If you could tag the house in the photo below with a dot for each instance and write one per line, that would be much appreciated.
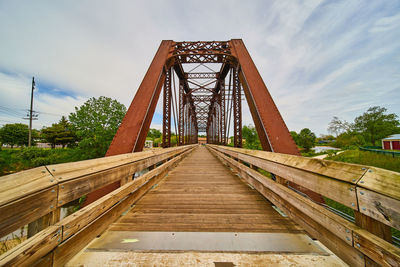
(148, 144)
(392, 142)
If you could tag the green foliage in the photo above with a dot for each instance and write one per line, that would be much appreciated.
(306, 139)
(60, 133)
(95, 124)
(14, 134)
(369, 158)
(295, 137)
(154, 133)
(350, 140)
(374, 124)
(249, 133)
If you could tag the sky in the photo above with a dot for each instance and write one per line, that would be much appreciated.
(319, 59)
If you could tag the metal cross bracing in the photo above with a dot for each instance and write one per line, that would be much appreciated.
(203, 83)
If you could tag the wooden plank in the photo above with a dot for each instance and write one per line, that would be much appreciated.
(380, 207)
(137, 187)
(43, 222)
(75, 188)
(78, 241)
(25, 210)
(346, 172)
(381, 181)
(74, 170)
(339, 191)
(379, 250)
(33, 249)
(21, 184)
(341, 248)
(46, 261)
(205, 206)
(334, 223)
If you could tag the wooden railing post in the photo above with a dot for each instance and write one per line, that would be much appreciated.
(43, 222)
(375, 227)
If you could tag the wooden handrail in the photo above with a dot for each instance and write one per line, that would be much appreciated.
(28, 195)
(58, 243)
(371, 191)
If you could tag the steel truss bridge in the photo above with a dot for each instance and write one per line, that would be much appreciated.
(195, 205)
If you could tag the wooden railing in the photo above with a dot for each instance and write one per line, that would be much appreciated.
(38, 194)
(373, 194)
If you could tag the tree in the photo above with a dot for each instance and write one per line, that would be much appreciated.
(14, 134)
(295, 137)
(306, 139)
(60, 133)
(337, 126)
(154, 133)
(374, 124)
(95, 124)
(250, 136)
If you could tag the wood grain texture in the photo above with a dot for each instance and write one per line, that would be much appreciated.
(33, 249)
(346, 172)
(382, 181)
(380, 207)
(201, 194)
(18, 185)
(25, 210)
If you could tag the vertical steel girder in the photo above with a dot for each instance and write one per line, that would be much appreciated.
(166, 139)
(237, 109)
(272, 130)
(181, 120)
(223, 115)
(132, 132)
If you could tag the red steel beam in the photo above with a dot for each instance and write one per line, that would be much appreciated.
(132, 132)
(272, 130)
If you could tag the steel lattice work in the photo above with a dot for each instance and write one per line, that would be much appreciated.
(203, 83)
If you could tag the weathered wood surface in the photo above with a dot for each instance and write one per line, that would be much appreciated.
(28, 195)
(322, 224)
(201, 194)
(75, 231)
(373, 191)
(32, 250)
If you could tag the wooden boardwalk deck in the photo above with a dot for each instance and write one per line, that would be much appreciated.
(202, 195)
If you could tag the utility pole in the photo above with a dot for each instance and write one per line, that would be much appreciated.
(31, 113)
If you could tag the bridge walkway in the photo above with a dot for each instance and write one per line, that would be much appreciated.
(201, 206)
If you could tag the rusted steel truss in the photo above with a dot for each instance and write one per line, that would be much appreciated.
(210, 79)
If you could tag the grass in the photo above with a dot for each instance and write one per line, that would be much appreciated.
(18, 159)
(369, 158)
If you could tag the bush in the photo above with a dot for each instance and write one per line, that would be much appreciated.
(29, 153)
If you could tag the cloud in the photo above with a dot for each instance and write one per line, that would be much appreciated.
(318, 58)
